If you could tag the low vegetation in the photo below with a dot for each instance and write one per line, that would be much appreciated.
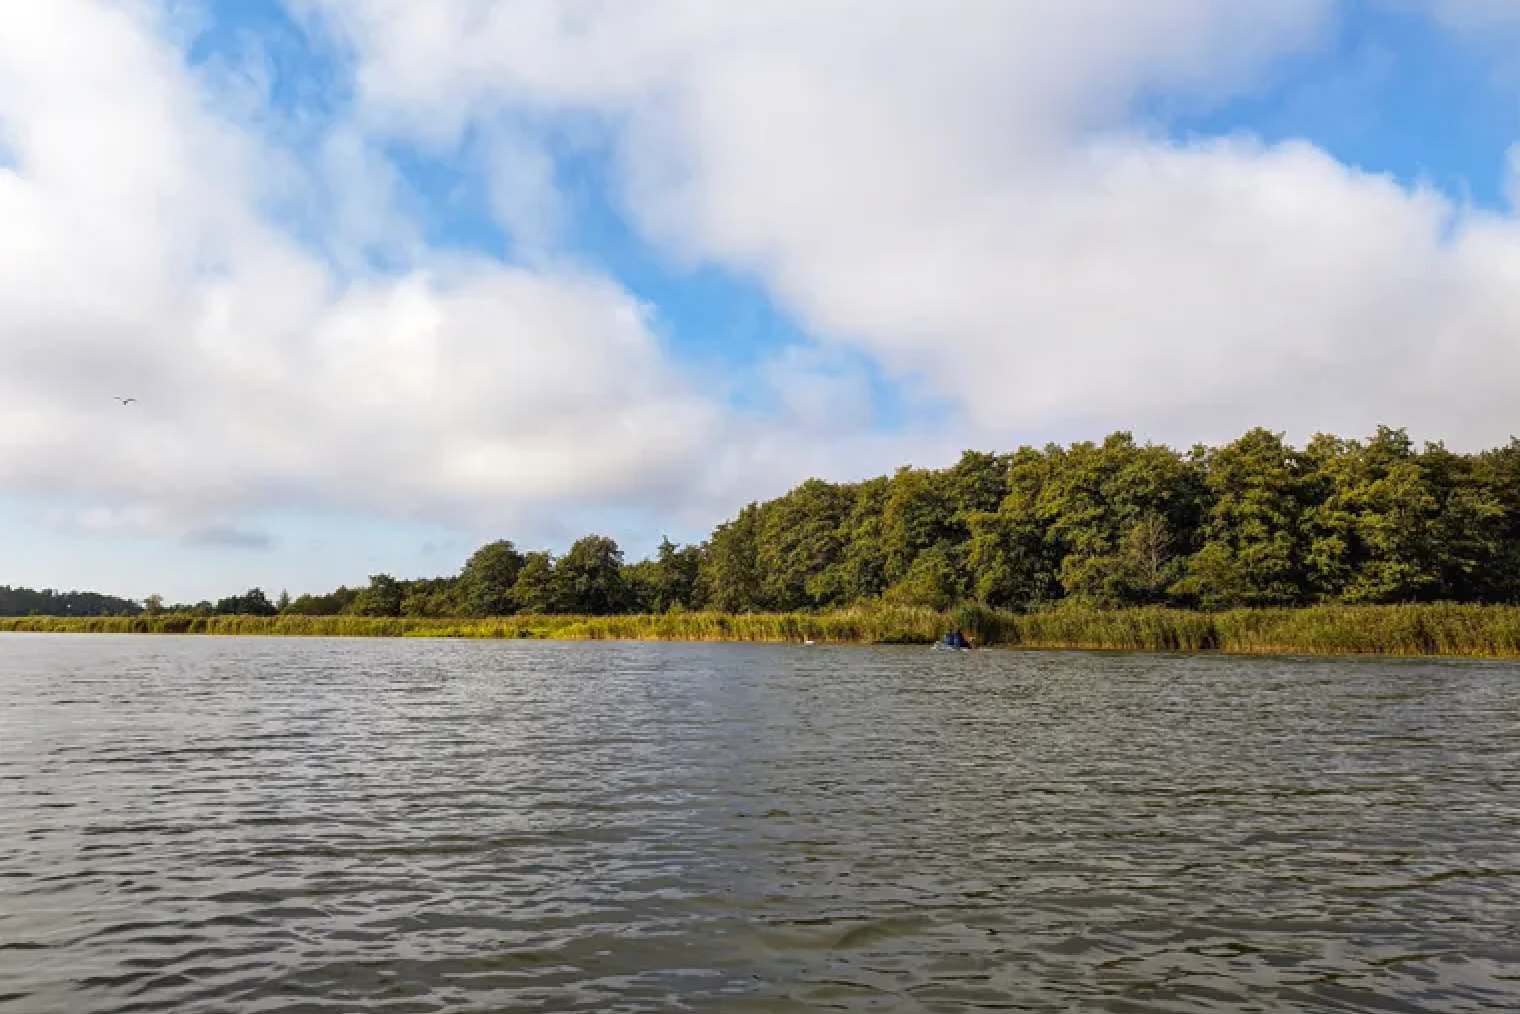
(1437, 629)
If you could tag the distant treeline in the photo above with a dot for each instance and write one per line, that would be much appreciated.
(26, 602)
(1255, 523)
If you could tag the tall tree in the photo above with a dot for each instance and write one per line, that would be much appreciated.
(673, 576)
(1010, 557)
(797, 539)
(488, 581)
(1253, 550)
(730, 571)
(859, 572)
(590, 577)
(1117, 513)
(383, 597)
(537, 590)
(919, 513)
(253, 602)
(1496, 474)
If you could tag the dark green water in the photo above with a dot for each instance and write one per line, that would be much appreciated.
(231, 825)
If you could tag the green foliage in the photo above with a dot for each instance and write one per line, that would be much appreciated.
(1253, 535)
(251, 603)
(535, 590)
(26, 602)
(1110, 527)
(729, 570)
(1011, 562)
(1425, 629)
(919, 515)
(859, 573)
(669, 581)
(934, 580)
(798, 538)
(334, 602)
(437, 597)
(488, 583)
(590, 578)
(384, 597)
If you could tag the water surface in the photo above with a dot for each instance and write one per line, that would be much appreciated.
(229, 825)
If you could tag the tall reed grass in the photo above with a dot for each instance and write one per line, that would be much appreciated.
(1465, 630)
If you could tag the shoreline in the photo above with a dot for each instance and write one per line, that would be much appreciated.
(1435, 630)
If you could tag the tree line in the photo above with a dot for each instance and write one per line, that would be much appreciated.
(48, 602)
(1256, 522)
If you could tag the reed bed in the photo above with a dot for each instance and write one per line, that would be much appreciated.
(1439, 629)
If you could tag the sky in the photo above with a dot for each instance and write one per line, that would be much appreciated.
(390, 279)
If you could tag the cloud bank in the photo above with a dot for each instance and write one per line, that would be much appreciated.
(967, 193)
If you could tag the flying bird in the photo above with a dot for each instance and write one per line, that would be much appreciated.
(125, 401)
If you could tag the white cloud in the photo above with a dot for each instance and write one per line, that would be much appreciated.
(960, 189)
(525, 196)
(136, 262)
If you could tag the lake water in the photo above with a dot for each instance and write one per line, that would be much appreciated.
(231, 825)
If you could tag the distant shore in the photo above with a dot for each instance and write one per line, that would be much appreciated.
(1408, 630)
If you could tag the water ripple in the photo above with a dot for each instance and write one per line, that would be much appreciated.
(214, 825)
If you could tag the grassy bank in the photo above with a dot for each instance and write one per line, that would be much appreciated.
(1481, 631)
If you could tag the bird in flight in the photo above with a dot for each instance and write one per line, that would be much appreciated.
(125, 401)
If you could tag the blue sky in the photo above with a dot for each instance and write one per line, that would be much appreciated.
(680, 263)
(1391, 93)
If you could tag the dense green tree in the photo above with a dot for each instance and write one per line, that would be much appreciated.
(1496, 478)
(670, 579)
(1253, 539)
(1010, 561)
(934, 579)
(977, 484)
(859, 572)
(536, 590)
(489, 579)
(639, 586)
(919, 513)
(331, 604)
(797, 539)
(1471, 527)
(1255, 522)
(1389, 524)
(590, 577)
(253, 602)
(729, 572)
(1117, 514)
(383, 597)
(26, 602)
(1011, 555)
(438, 597)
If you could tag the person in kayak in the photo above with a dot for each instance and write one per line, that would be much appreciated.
(956, 639)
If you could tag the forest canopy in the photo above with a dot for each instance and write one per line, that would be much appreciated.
(1256, 522)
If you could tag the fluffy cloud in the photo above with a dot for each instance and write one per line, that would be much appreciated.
(960, 190)
(964, 192)
(139, 257)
